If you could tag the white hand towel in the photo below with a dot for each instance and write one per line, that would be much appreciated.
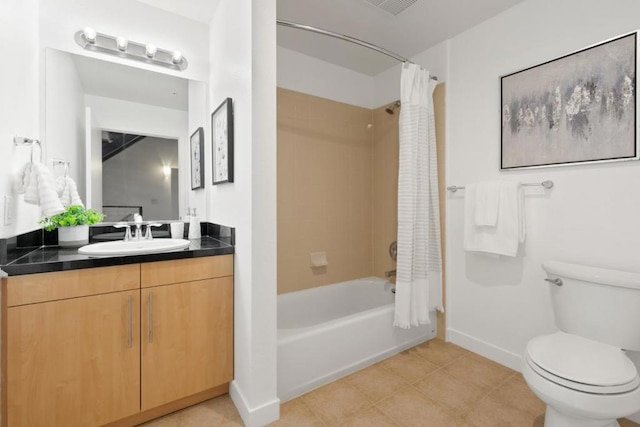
(487, 203)
(68, 191)
(510, 229)
(39, 188)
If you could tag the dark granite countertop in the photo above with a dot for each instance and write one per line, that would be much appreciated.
(46, 258)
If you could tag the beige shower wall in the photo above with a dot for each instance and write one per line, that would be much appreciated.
(385, 182)
(338, 188)
(325, 190)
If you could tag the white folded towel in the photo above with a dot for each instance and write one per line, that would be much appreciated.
(487, 203)
(68, 191)
(37, 185)
(510, 228)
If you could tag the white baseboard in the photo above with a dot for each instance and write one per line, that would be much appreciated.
(490, 351)
(635, 417)
(254, 417)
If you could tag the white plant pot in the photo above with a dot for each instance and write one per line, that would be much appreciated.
(73, 237)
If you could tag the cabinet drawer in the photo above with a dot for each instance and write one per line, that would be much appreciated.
(42, 287)
(185, 270)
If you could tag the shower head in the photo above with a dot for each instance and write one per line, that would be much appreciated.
(391, 108)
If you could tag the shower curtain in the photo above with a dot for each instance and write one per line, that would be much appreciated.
(419, 263)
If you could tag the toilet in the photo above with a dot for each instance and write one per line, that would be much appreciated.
(582, 372)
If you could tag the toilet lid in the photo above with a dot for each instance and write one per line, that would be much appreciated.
(583, 361)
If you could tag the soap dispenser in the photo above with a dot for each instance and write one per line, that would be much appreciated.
(194, 226)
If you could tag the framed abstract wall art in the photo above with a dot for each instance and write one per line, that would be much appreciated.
(575, 109)
(222, 141)
(197, 159)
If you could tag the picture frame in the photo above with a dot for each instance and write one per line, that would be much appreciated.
(222, 142)
(197, 158)
(579, 108)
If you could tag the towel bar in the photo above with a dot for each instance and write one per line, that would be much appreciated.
(546, 184)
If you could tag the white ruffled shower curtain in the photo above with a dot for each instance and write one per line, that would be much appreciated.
(419, 263)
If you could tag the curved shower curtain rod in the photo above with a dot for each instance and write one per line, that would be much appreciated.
(346, 38)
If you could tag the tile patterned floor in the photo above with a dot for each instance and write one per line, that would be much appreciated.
(433, 384)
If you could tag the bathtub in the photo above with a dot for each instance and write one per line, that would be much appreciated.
(327, 332)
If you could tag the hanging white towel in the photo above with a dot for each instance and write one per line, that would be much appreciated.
(510, 230)
(487, 203)
(68, 191)
(39, 188)
(419, 264)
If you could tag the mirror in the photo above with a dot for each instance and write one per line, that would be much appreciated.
(92, 106)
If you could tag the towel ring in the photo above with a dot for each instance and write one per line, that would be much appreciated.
(57, 162)
(21, 140)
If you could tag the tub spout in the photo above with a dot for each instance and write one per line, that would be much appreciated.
(390, 273)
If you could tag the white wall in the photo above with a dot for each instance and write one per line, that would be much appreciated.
(313, 76)
(198, 117)
(591, 216)
(65, 118)
(19, 105)
(243, 67)
(142, 119)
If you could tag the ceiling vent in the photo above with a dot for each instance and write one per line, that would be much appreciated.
(393, 7)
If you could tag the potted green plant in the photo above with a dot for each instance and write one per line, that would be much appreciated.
(72, 224)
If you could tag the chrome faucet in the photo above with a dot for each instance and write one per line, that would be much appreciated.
(147, 233)
(137, 219)
(127, 232)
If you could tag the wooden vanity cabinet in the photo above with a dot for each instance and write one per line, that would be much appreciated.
(187, 328)
(71, 359)
(115, 345)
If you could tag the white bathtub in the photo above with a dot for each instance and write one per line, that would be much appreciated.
(330, 331)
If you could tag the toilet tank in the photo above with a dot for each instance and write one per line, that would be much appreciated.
(596, 303)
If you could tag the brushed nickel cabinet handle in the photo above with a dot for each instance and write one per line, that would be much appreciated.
(150, 317)
(130, 319)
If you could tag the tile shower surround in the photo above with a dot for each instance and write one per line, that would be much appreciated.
(337, 180)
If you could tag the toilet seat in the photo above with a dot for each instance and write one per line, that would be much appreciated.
(582, 364)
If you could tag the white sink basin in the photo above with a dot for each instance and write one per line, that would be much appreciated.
(133, 247)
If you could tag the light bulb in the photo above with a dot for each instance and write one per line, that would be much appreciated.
(89, 34)
(176, 58)
(122, 43)
(166, 171)
(151, 50)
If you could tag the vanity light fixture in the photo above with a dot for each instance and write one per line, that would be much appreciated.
(89, 39)
(150, 50)
(177, 57)
(122, 43)
(89, 35)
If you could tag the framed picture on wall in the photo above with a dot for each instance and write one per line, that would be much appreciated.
(197, 159)
(580, 108)
(222, 141)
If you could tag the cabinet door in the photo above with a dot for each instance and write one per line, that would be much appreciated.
(74, 362)
(187, 339)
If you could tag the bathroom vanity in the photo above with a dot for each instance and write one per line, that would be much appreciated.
(119, 342)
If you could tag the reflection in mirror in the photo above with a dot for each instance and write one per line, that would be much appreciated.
(150, 162)
(86, 99)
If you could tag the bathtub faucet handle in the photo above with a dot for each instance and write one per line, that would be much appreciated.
(390, 273)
